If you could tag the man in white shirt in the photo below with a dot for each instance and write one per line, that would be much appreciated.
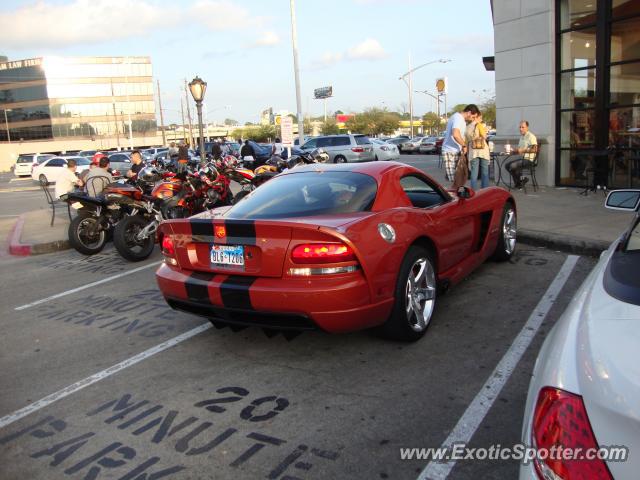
(67, 180)
(454, 145)
(527, 148)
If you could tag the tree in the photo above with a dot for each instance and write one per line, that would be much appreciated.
(329, 127)
(338, 112)
(431, 121)
(265, 133)
(457, 108)
(488, 109)
(248, 124)
(373, 121)
(230, 121)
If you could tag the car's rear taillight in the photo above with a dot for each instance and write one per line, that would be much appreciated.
(357, 149)
(560, 420)
(169, 250)
(315, 253)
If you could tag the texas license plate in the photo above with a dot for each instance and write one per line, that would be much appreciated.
(232, 255)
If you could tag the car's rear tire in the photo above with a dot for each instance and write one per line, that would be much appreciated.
(85, 234)
(508, 231)
(415, 297)
(42, 178)
(339, 159)
(239, 196)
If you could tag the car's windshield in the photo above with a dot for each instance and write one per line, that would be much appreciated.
(25, 159)
(82, 161)
(306, 194)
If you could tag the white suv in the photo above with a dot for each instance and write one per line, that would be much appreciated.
(27, 162)
(343, 148)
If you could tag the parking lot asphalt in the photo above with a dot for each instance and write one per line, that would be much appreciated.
(91, 389)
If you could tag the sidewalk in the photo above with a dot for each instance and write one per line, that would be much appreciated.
(553, 217)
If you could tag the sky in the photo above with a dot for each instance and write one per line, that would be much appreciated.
(243, 48)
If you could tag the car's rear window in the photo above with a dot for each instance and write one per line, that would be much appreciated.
(306, 194)
(340, 141)
(362, 139)
(82, 161)
(25, 159)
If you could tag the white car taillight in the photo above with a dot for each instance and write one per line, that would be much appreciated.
(560, 420)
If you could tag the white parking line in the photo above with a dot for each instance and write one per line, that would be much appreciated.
(478, 408)
(84, 287)
(65, 392)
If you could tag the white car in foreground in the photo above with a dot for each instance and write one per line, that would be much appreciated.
(585, 389)
(384, 151)
(49, 170)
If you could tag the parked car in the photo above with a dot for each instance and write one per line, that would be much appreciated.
(397, 141)
(120, 161)
(49, 170)
(27, 162)
(155, 150)
(439, 142)
(87, 153)
(428, 145)
(335, 247)
(384, 151)
(343, 148)
(585, 386)
(411, 146)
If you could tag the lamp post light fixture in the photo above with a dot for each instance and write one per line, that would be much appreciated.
(198, 87)
(410, 85)
(6, 123)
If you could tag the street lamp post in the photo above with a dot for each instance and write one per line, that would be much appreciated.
(6, 122)
(198, 87)
(410, 84)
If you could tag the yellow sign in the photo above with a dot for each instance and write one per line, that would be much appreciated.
(441, 85)
(278, 119)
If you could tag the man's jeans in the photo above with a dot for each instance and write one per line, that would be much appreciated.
(484, 172)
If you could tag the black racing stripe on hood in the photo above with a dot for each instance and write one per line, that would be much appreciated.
(235, 292)
(197, 287)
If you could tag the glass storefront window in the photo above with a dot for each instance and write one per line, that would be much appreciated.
(624, 8)
(576, 13)
(625, 40)
(577, 129)
(578, 89)
(578, 49)
(624, 127)
(625, 84)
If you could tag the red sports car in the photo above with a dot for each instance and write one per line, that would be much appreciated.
(339, 247)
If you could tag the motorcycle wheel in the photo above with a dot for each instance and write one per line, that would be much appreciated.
(86, 235)
(124, 239)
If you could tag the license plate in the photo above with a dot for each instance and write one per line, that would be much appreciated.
(227, 255)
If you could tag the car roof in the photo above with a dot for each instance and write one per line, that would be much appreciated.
(373, 169)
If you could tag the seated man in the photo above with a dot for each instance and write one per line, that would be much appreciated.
(67, 180)
(98, 177)
(527, 147)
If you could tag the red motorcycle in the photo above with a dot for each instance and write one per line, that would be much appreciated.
(184, 195)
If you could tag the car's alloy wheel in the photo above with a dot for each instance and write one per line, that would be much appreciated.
(415, 297)
(508, 233)
(340, 159)
(42, 179)
(420, 294)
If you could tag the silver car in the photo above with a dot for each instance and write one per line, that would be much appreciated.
(343, 148)
(411, 146)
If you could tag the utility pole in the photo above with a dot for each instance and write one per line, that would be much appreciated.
(164, 140)
(410, 97)
(296, 69)
(186, 97)
(115, 116)
(126, 82)
(182, 112)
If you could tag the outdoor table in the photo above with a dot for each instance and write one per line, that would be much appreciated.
(499, 159)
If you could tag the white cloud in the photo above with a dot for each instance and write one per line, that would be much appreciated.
(370, 49)
(267, 39)
(95, 21)
(81, 21)
(223, 15)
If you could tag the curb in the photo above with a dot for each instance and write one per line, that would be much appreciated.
(563, 243)
(25, 249)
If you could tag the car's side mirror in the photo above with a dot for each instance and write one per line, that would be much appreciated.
(465, 192)
(626, 200)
